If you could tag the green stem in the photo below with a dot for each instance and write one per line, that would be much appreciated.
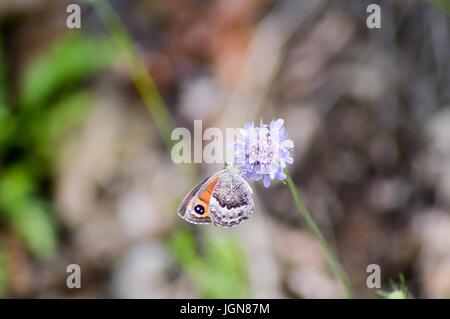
(137, 70)
(333, 261)
(141, 78)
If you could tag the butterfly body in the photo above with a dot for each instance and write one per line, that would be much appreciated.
(224, 199)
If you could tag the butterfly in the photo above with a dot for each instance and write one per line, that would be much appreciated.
(223, 199)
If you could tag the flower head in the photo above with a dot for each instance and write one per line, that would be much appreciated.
(262, 152)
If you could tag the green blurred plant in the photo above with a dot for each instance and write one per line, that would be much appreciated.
(397, 293)
(218, 271)
(50, 103)
(443, 5)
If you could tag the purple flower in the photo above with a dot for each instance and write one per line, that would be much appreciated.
(262, 152)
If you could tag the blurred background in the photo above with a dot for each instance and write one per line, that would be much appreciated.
(86, 178)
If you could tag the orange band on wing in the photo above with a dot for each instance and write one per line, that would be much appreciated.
(204, 198)
(206, 195)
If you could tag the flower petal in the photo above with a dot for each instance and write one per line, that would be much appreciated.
(287, 144)
(266, 181)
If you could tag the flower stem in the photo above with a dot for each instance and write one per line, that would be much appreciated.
(332, 260)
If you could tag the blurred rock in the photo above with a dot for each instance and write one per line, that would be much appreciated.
(144, 272)
(306, 272)
(433, 229)
(200, 98)
(438, 154)
(387, 195)
(312, 283)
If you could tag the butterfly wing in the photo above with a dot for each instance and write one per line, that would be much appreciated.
(232, 200)
(194, 208)
(186, 200)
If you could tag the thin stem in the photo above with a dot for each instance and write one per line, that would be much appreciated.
(141, 78)
(333, 261)
(137, 70)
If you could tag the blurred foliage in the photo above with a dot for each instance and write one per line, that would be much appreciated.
(69, 62)
(219, 270)
(443, 5)
(2, 84)
(50, 104)
(26, 213)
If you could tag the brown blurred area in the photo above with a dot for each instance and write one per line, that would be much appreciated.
(368, 111)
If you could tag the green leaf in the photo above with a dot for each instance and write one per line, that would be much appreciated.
(393, 284)
(382, 293)
(16, 184)
(30, 217)
(7, 122)
(8, 126)
(182, 246)
(49, 128)
(3, 83)
(397, 293)
(225, 258)
(219, 272)
(32, 220)
(69, 61)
